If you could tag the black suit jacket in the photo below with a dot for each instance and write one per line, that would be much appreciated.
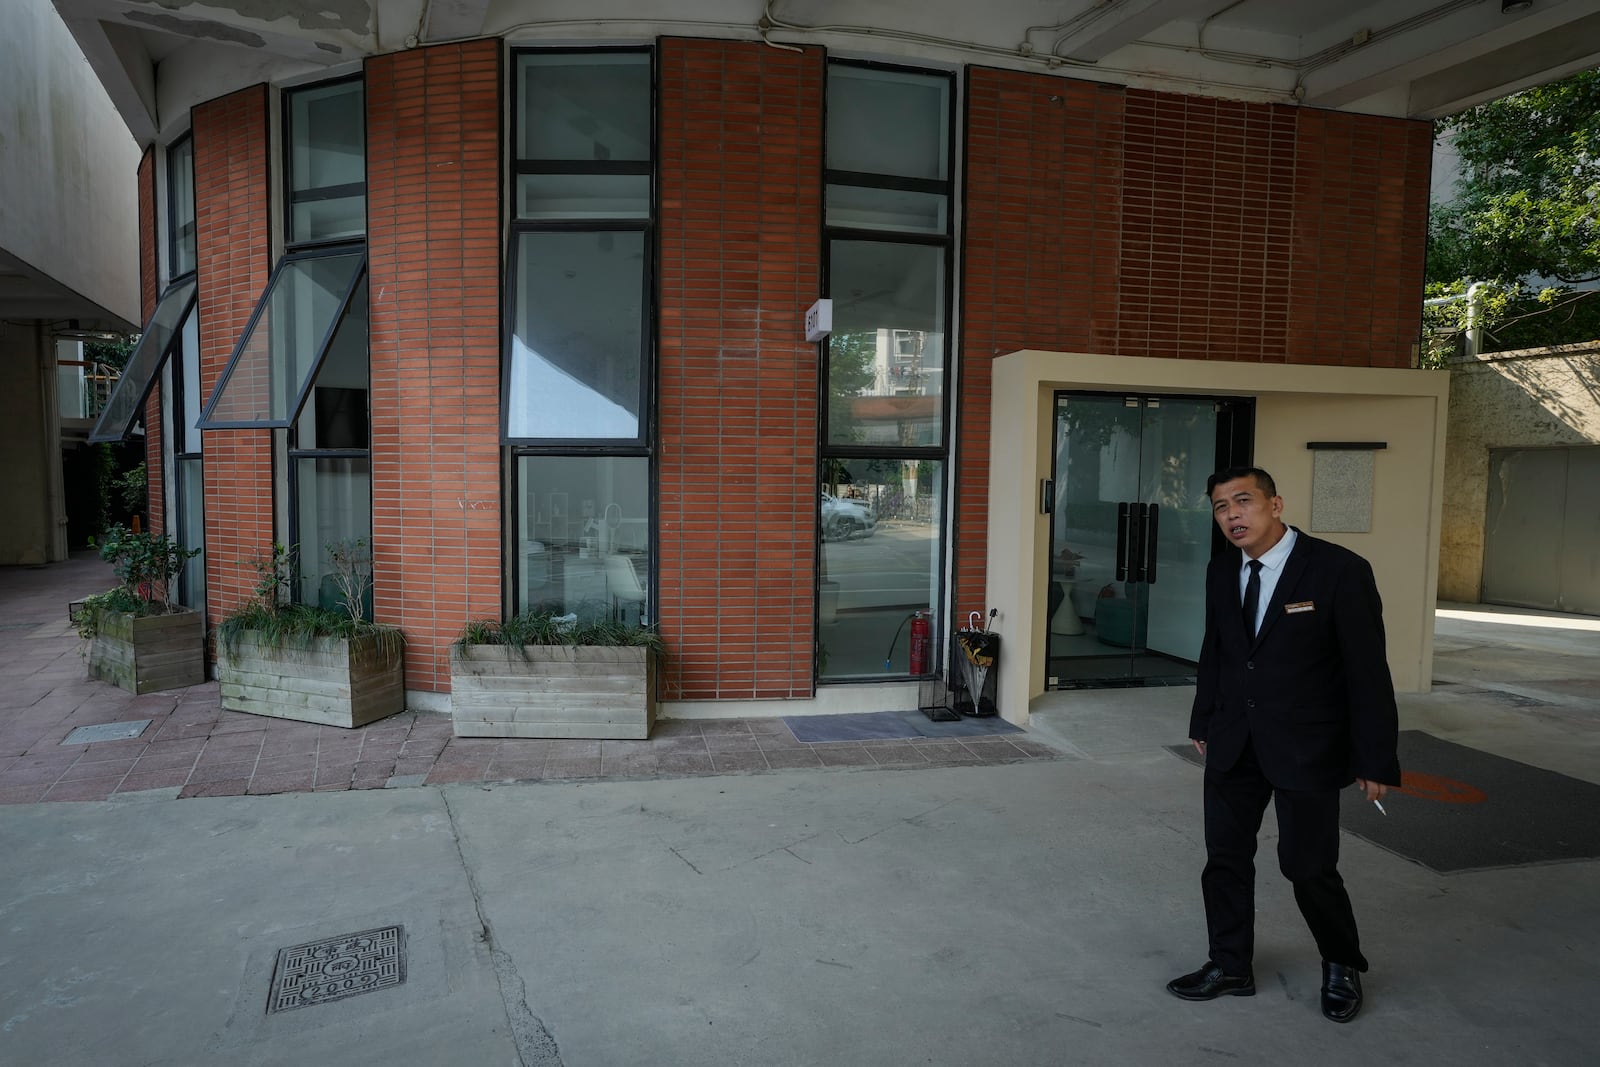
(1312, 693)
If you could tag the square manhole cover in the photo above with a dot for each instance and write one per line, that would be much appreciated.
(106, 731)
(337, 967)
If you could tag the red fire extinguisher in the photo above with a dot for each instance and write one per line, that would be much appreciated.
(921, 641)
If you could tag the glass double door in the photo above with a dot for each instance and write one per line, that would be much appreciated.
(1131, 533)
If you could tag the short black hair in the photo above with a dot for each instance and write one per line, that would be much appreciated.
(1263, 479)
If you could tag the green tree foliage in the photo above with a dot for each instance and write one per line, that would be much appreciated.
(113, 354)
(1526, 212)
(850, 374)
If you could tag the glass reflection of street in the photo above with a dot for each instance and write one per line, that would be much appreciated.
(880, 580)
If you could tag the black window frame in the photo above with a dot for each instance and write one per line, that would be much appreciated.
(521, 165)
(640, 443)
(98, 434)
(644, 445)
(173, 229)
(323, 192)
(828, 453)
(320, 251)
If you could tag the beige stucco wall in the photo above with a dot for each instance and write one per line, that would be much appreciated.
(1294, 405)
(35, 530)
(1534, 398)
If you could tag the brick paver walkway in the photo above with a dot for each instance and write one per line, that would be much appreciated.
(194, 748)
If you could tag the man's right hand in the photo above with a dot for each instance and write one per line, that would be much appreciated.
(1199, 746)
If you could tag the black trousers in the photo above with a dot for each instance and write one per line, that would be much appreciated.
(1308, 856)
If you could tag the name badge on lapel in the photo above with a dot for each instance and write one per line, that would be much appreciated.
(1296, 609)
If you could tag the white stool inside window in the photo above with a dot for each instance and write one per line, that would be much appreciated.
(622, 582)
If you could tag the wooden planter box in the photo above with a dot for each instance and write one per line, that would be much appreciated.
(562, 691)
(335, 681)
(146, 653)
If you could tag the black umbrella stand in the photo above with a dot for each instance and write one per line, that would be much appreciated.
(975, 668)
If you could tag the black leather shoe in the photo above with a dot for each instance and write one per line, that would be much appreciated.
(1211, 982)
(1341, 991)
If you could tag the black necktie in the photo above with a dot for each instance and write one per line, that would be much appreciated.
(1252, 598)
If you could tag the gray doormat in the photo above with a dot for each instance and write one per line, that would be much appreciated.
(889, 725)
(1466, 810)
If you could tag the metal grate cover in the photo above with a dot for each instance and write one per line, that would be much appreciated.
(106, 731)
(319, 972)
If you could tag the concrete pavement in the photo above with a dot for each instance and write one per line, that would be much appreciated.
(1026, 913)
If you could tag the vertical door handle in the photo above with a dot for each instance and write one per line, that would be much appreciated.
(1122, 542)
(1136, 542)
(1151, 526)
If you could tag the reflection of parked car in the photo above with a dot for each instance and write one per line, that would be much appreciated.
(844, 519)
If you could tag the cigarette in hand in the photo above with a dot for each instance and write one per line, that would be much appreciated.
(1379, 806)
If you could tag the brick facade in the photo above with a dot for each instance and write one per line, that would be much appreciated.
(434, 150)
(740, 146)
(1129, 222)
(155, 511)
(231, 161)
(1096, 218)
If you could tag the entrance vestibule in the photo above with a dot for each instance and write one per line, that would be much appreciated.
(1131, 532)
(1294, 406)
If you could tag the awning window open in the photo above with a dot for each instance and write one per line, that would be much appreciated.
(160, 334)
(276, 359)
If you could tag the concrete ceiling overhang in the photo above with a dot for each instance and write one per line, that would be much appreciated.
(27, 295)
(1409, 58)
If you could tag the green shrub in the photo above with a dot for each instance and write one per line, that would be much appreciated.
(298, 625)
(278, 623)
(145, 564)
(548, 628)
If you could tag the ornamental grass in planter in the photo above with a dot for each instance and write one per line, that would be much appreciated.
(544, 675)
(310, 663)
(137, 639)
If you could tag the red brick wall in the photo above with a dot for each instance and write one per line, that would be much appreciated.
(1360, 237)
(148, 281)
(433, 239)
(740, 143)
(232, 218)
(155, 510)
(1130, 222)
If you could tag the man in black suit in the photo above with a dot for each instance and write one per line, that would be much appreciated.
(1293, 702)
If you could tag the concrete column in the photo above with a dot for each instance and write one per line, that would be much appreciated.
(34, 529)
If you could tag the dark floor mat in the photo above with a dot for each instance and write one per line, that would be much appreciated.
(1467, 810)
(889, 725)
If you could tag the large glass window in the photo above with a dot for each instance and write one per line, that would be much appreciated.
(583, 536)
(187, 398)
(577, 386)
(180, 205)
(888, 146)
(330, 463)
(187, 485)
(302, 365)
(881, 515)
(332, 507)
(583, 135)
(577, 344)
(886, 121)
(326, 157)
(191, 529)
(886, 354)
(881, 521)
(334, 415)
